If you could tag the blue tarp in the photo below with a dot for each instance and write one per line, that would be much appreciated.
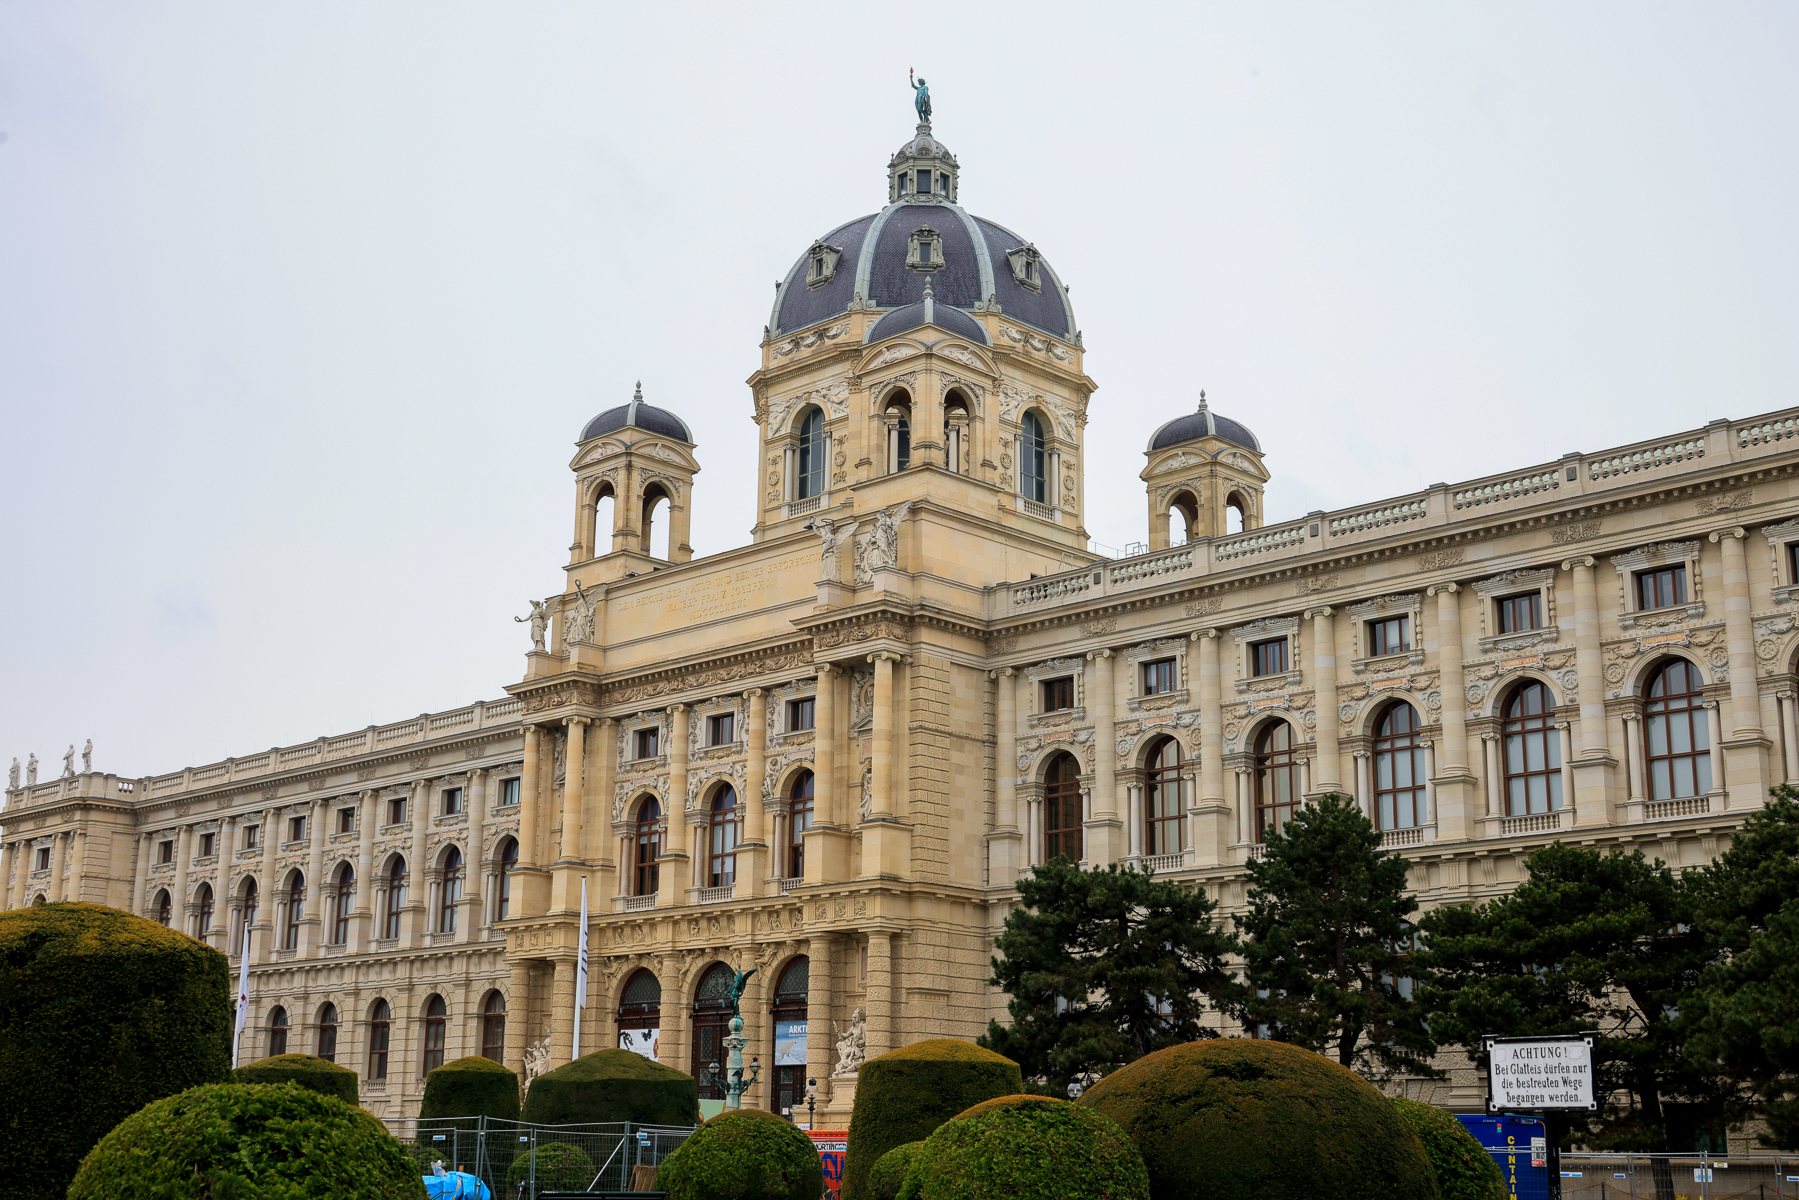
(456, 1185)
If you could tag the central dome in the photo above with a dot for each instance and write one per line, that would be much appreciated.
(872, 262)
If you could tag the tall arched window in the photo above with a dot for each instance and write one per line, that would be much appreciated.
(655, 533)
(450, 895)
(1398, 769)
(343, 905)
(711, 1020)
(1236, 513)
(1677, 733)
(1186, 506)
(605, 520)
(1062, 809)
(1032, 466)
(328, 1033)
(810, 479)
(435, 1012)
(721, 851)
(1277, 777)
(278, 1032)
(1162, 807)
(508, 864)
(165, 908)
(203, 917)
(1533, 752)
(396, 898)
(380, 1024)
(789, 1050)
(899, 432)
(799, 819)
(640, 1015)
(645, 878)
(249, 917)
(493, 1028)
(296, 910)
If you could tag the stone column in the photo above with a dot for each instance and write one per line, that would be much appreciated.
(1364, 794)
(368, 816)
(1746, 771)
(315, 872)
(474, 863)
(597, 814)
(57, 874)
(1495, 779)
(754, 862)
(886, 844)
(1453, 783)
(418, 897)
(562, 1013)
(183, 853)
(268, 887)
(821, 1010)
(1103, 833)
(574, 781)
(1324, 686)
(828, 841)
(1633, 763)
(141, 905)
(530, 879)
(9, 859)
(1714, 720)
(1134, 817)
(1246, 815)
(527, 799)
(1592, 772)
(1567, 742)
(1789, 738)
(880, 993)
(518, 1016)
(676, 871)
(1003, 858)
(1212, 829)
(883, 734)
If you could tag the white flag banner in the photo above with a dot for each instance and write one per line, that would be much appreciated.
(580, 977)
(243, 999)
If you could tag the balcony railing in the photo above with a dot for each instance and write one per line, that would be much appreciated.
(1665, 810)
(1535, 823)
(713, 895)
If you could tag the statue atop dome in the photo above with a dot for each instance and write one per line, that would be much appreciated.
(921, 98)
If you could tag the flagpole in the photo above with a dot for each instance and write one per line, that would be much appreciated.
(580, 976)
(243, 999)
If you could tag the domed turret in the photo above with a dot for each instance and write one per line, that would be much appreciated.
(638, 415)
(1208, 469)
(1200, 424)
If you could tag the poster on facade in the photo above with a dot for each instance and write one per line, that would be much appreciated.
(1541, 1074)
(790, 1043)
(641, 1041)
(831, 1145)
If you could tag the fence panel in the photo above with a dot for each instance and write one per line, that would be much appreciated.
(517, 1160)
(1678, 1177)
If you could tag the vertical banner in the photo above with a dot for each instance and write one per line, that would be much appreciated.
(574, 1050)
(831, 1145)
(243, 999)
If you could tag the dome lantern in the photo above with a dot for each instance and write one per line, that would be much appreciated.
(922, 171)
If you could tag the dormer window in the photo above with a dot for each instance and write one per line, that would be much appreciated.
(1024, 266)
(821, 263)
(924, 183)
(926, 252)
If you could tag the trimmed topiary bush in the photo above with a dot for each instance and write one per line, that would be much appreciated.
(744, 1155)
(460, 1092)
(904, 1094)
(1027, 1148)
(888, 1174)
(101, 1012)
(325, 1078)
(1463, 1167)
(613, 1085)
(273, 1142)
(561, 1167)
(1235, 1118)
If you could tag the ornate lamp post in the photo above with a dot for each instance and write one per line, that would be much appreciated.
(736, 1085)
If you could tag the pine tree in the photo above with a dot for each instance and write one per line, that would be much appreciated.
(1102, 967)
(1326, 944)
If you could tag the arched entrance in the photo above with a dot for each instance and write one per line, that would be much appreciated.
(711, 1022)
(789, 1053)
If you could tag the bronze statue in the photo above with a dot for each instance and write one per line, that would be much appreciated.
(921, 98)
(739, 980)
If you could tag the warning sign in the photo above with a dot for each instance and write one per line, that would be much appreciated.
(1545, 1074)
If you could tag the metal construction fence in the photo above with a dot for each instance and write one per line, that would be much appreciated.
(1678, 1176)
(520, 1160)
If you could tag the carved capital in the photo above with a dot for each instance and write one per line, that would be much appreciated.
(1095, 655)
(1736, 531)
(1442, 589)
(1581, 560)
(677, 708)
(1002, 673)
(755, 693)
(573, 721)
(887, 656)
(605, 723)
(1323, 610)
(824, 670)
(1198, 634)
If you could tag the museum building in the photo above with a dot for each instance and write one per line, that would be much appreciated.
(828, 754)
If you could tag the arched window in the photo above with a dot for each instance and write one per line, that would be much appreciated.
(721, 851)
(508, 864)
(434, 1035)
(249, 917)
(1533, 753)
(809, 481)
(165, 908)
(493, 1028)
(1236, 513)
(278, 1032)
(655, 533)
(296, 910)
(343, 905)
(711, 1019)
(645, 878)
(1398, 769)
(1677, 732)
(799, 819)
(1185, 506)
(380, 1024)
(899, 432)
(396, 898)
(203, 917)
(1032, 465)
(1162, 807)
(955, 432)
(640, 1015)
(450, 895)
(328, 1033)
(37, 900)
(605, 520)
(1062, 809)
(1277, 777)
(789, 1049)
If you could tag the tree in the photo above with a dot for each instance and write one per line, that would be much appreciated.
(1102, 967)
(1326, 944)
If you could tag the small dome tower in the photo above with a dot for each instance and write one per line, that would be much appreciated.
(1202, 466)
(641, 458)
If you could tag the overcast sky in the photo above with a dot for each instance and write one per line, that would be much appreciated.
(303, 305)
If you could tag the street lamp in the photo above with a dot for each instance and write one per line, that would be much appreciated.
(811, 1103)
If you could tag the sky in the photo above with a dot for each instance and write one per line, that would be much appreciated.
(302, 306)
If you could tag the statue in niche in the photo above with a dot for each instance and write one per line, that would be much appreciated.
(851, 1045)
(832, 538)
(878, 549)
(87, 757)
(867, 805)
(539, 621)
(68, 762)
(31, 770)
(921, 97)
(578, 626)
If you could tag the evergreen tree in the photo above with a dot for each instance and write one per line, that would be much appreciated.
(1102, 967)
(1326, 944)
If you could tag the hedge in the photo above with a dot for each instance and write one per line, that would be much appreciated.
(326, 1078)
(101, 1012)
(613, 1085)
(1028, 1148)
(888, 1174)
(1236, 1118)
(1463, 1167)
(465, 1089)
(747, 1154)
(270, 1141)
(904, 1094)
(561, 1167)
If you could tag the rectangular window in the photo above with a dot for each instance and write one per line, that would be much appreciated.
(1662, 588)
(43, 858)
(801, 714)
(1520, 613)
(165, 853)
(346, 820)
(1268, 658)
(924, 181)
(296, 829)
(396, 811)
(508, 792)
(720, 729)
(452, 801)
(648, 743)
(250, 835)
(1058, 694)
(1391, 636)
(924, 252)
(207, 841)
(1158, 677)
(1793, 562)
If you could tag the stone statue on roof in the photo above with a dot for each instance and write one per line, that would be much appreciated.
(921, 98)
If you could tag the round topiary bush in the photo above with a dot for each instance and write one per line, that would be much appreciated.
(1235, 1118)
(101, 1012)
(1028, 1148)
(561, 1167)
(325, 1078)
(744, 1155)
(903, 1095)
(461, 1092)
(613, 1085)
(1463, 1167)
(274, 1142)
(888, 1174)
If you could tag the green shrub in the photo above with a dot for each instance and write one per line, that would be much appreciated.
(1028, 1148)
(228, 1140)
(613, 1085)
(101, 1012)
(903, 1095)
(1463, 1167)
(744, 1155)
(888, 1174)
(461, 1092)
(1235, 1118)
(326, 1078)
(561, 1167)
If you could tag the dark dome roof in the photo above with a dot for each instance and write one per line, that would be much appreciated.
(1204, 423)
(638, 415)
(927, 312)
